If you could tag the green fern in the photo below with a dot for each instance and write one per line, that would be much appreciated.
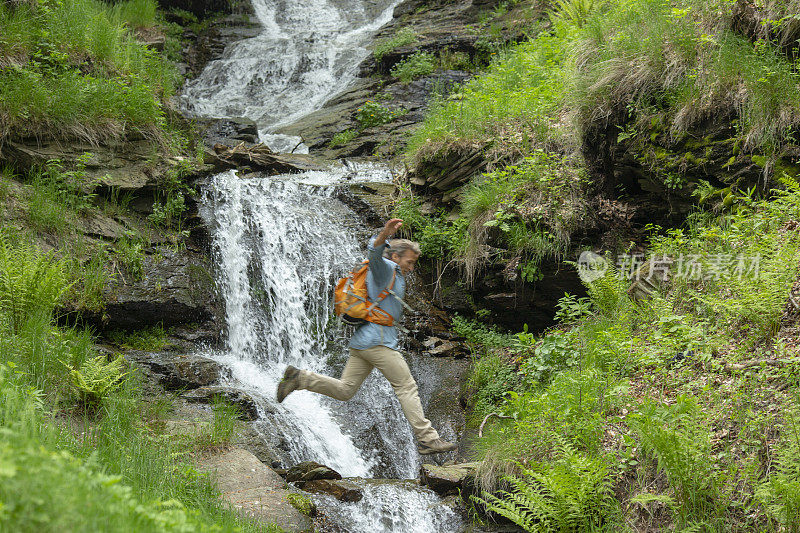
(780, 492)
(32, 283)
(572, 493)
(95, 378)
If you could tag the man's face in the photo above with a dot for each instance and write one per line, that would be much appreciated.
(406, 261)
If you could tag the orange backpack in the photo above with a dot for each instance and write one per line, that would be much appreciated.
(351, 300)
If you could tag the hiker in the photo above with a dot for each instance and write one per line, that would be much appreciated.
(374, 345)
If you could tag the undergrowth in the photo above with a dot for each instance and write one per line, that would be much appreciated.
(74, 69)
(653, 405)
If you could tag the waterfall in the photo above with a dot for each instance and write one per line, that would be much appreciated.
(306, 53)
(280, 243)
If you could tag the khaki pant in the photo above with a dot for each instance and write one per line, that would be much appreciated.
(393, 366)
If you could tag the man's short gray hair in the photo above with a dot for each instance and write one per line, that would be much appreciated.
(399, 247)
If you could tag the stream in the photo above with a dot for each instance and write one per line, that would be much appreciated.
(280, 243)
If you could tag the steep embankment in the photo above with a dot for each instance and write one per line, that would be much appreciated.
(99, 228)
(662, 136)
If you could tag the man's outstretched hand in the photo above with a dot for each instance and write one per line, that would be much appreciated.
(391, 227)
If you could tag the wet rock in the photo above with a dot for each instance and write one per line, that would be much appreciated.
(177, 288)
(371, 201)
(343, 491)
(178, 371)
(248, 405)
(254, 489)
(311, 471)
(230, 131)
(446, 480)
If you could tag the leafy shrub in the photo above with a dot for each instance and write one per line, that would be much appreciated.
(148, 339)
(167, 214)
(779, 493)
(571, 493)
(552, 354)
(78, 72)
(403, 37)
(491, 378)
(374, 114)
(414, 66)
(479, 335)
(570, 308)
(675, 436)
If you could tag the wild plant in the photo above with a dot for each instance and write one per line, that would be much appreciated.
(414, 66)
(779, 492)
(573, 492)
(94, 379)
(404, 37)
(675, 436)
(32, 284)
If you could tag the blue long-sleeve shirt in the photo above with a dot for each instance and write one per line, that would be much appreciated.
(378, 278)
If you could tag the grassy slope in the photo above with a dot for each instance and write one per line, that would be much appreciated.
(81, 449)
(672, 413)
(74, 69)
(654, 68)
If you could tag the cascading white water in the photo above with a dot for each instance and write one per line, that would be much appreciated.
(306, 53)
(281, 241)
(279, 244)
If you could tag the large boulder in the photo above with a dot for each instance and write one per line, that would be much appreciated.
(177, 288)
(254, 489)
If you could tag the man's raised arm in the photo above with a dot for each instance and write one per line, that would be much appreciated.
(381, 272)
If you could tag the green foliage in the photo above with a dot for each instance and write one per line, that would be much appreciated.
(577, 12)
(676, 437)
(74, 70)
(223, 427)
(516, 95)
(479, 336)
(148, 339)
(136, 14)
(129, 251)
(304, 504)
(168, 214)
(32, 284)
(93, 380)
(414, 66)
(552, 354)
(491, 378)
(343, 138)
(779, 493)
(571, 308)
(572, 493)
(374, 114)
(404, 37)
(438, 237)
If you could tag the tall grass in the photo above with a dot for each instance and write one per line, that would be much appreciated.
(63, 467)
(517, 98)
(73, 68)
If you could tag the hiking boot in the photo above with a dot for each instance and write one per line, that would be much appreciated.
(436, 446)
(289, 383)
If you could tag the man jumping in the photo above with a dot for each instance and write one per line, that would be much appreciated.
(375, 346)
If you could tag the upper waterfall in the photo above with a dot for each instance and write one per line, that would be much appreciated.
(306, 53)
